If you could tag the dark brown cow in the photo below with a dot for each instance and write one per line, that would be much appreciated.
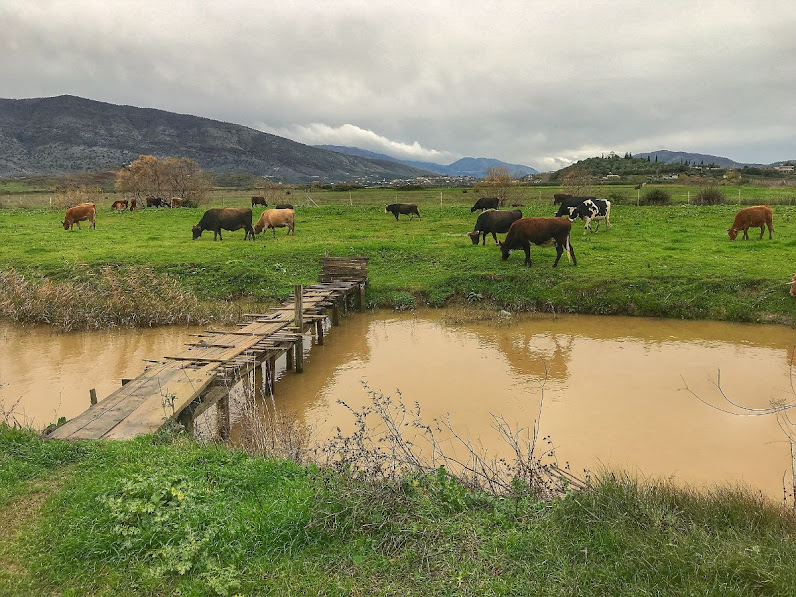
(80, 213)
(259, 201)
(229, 218)
(156, 202)
(752, 217)
(133, 204)
(539, 231)
(409, 209)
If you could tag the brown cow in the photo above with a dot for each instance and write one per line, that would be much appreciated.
(539, 231)
(80, 213)
(120, 205)
(752, 217)
(177, 201)
(793, 285)
(133, 204)
(276, 218)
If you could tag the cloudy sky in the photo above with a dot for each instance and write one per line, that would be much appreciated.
(529, 82)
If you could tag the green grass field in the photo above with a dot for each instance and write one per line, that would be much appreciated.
(671, 261)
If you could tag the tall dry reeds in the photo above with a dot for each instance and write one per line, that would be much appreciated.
(130, 296)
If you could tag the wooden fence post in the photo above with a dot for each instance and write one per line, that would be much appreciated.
(298, 290)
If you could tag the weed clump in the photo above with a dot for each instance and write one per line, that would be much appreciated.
(103, 298)
(709, 196)
(656, 197)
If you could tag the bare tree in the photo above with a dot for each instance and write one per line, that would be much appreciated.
(499, 183)
(149, 177)
(577, 182)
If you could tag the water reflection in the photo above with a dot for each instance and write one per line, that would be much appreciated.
(612, 387)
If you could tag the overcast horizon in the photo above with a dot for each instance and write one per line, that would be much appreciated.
(528, 83)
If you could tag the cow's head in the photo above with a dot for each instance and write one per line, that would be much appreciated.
(474, 236)
(197, 231)
(504, 250)
(732, 232)
(65, 225)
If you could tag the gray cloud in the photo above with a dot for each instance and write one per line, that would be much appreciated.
(528, 82)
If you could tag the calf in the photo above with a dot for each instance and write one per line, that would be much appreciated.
(276, 218)
(493, 221)
(133, 204)
(752, 217)
(568, 205)
(156, 202)
(539, 231)
(485, 203)
(80, 213)
(177, 202)
(592, 209)
(229, 218)
(259, 201)
(120, 205)
(409, 209)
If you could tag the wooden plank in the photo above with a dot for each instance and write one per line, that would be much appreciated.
(151, 414)
(103, 416)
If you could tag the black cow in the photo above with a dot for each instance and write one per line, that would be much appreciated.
(485, 203)
(156, 202)
(592, 209)
(259, 201)
(408, 209)
(493, 221)
(283, 206)
(539, 231)
(230, 218)
(568, 204)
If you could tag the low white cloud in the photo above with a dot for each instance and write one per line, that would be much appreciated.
(351, 135)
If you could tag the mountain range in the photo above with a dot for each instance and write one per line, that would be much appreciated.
(475, 167)
(66, 134)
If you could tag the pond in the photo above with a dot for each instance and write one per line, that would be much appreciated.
(615, 392)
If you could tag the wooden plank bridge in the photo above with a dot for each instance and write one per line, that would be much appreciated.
(184, 385)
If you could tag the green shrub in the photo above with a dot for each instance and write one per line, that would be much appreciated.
(656, 197)
(709, 196)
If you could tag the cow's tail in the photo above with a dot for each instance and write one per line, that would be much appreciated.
(569, 250)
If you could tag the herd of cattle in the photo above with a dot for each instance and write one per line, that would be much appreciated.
(520, 232)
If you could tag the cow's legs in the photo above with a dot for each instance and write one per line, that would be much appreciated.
(559, 252)
(527, 248)
(762, 230)
(493, 236)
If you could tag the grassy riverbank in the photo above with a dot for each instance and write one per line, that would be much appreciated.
(671, 261)
(165, 516)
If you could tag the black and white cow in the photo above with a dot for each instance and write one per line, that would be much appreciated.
(568, 204)
(592, 209)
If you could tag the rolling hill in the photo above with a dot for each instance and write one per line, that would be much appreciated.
(475, 167)
(66, 134)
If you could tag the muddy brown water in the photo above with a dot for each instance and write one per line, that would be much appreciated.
(613, 388)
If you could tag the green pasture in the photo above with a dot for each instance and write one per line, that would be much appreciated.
(673, 261)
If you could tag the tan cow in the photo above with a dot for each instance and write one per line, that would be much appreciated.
(759, 216)
(80, 213)
(177, 201)
(275, 218)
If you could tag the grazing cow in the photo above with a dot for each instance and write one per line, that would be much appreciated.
(409, 209)
(80, 213)
(133, 204)
(259, 201)
(120, 205)
(559, 197)
(592, 209)
(283, 206)
(276, 218)
(493, 221)
(568, 205)
(229, 218)
(539, 231)
(752, 217)
(177, 202)
(485, 203)
(156, 202)
(793, 285)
